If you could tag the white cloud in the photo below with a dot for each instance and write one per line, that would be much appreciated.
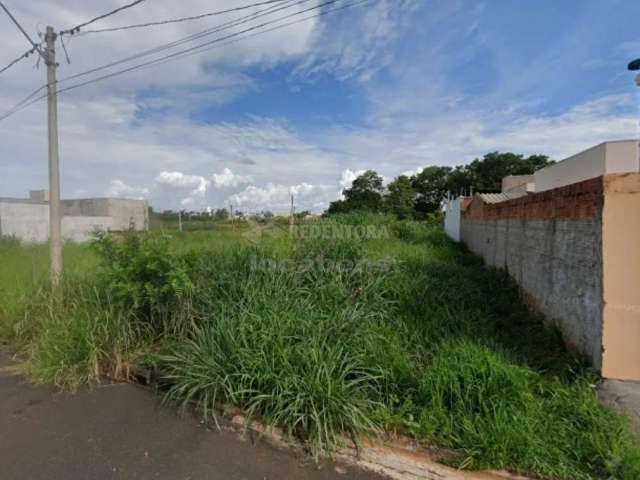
(170, 159)
(227, 179)
(278, 197)
(196, 183)
(179, 179)
(412, 171)
(348, 176)
(199, 185)
(358, 44)
(117, 188)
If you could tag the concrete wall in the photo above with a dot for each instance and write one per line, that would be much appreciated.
(575, 252)
(621, 260)
(129, 213)
(124, 213)
(518, 183)
(81, 229)
(28, 221)
(452, 218)
(606, 158)
(550, 243)
(39, 195)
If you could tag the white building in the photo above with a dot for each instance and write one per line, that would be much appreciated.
(452, 217)
(27, 219)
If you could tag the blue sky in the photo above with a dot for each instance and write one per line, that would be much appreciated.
(392, 85)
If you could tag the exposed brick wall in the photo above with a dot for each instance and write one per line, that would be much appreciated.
(551, 244)
(581, 200)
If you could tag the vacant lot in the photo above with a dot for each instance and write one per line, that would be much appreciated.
(349, 327)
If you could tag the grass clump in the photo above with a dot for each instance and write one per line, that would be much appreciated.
(77, 336)
(316, 391)
(497, 413)
(297, 357)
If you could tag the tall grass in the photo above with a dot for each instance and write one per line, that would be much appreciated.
(435, 346)
(78, 335)
(24, 272)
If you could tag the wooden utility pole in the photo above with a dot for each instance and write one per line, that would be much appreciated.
(55, 241)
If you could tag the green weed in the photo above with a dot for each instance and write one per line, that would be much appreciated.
(434, 345)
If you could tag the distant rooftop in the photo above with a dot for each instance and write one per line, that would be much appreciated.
(22, 200)
(500, 197)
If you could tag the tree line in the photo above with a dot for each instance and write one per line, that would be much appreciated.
(420, 195)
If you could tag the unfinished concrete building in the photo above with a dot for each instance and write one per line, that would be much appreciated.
(27, 219)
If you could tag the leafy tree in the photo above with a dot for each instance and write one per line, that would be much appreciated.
(426, 190)
(338, 206)
(221, 214)
(431, 187)
(400, 197)
(365, 193)
(459, 180)
(487, 174)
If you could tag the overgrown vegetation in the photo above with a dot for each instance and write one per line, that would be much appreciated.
(332, 338)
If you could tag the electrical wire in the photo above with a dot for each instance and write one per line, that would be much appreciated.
(21, 57)
(178, 20)
(77, 28)
(205, 44)
(29, 100)
(260, 32)
(200, 49)
(34, 45)
(224, 26)
(25, 102)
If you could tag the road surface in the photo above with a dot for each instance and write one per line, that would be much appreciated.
(120, 431)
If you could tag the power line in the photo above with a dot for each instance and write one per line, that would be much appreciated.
(224, 26)
(25, 102)
(100, 17)
(29, 100)
(260, 32)
(178, 20)
(21, 57)
(26, 35)
(199, 48)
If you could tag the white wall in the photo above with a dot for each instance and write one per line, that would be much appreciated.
(81, 229)
(609, 157)
(452, 218)
(29, 222)
(124, 212)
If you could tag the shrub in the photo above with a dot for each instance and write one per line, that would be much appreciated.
(143, 275)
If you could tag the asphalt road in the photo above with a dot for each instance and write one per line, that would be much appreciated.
(122, 432)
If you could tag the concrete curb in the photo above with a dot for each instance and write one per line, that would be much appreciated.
(398, 460)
